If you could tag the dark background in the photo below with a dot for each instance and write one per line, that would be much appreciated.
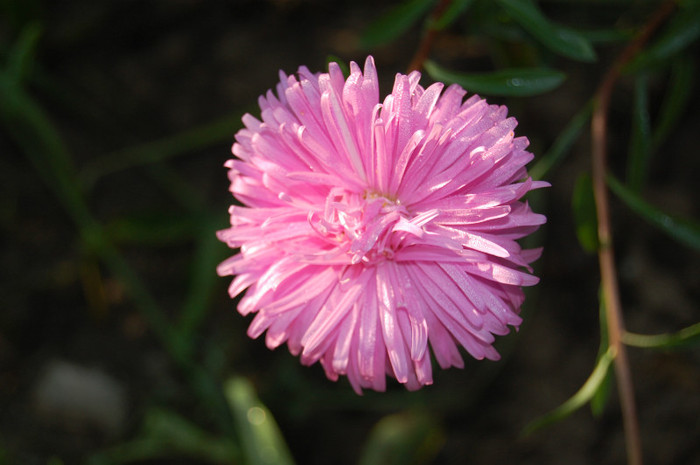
(114, 75)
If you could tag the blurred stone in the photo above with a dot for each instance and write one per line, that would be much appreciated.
(80, 399)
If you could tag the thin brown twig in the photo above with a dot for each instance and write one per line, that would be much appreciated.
(606, 258)
(428, 38)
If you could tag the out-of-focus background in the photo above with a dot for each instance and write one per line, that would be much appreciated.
(118, 343)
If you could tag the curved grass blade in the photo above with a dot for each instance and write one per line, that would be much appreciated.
(601, 395)
(394, 23)
(685, 337)
(559, 39)
(683, 230)
(563, 143)
(676, 99)
(261, 439)
(151, 152)
(20, 58)
(640, 143)
(167, 435)
(513, 82)
(583, 204)
(582, 396)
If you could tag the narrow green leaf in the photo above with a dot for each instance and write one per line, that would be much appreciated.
(676, 99)
(408, 438)
(563, 143)
(394, 23)
(601, 395)
(167, 435)
(151, 228)
(21, 56)
(683, 29)
(583, 204)
(578, 400)
(208, 253)
(689, 336)
(162, 149)
(685, 231)
(262, 441)
(559, 39)
(452, 12)
(640, 143)
(514, 82)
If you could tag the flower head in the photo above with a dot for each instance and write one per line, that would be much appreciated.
(370, 230)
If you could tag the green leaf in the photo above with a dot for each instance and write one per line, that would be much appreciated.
(578, 400)
(208, 253)
(559, 39)
(685, 231)
(640, 143)
(451, 13)
(583, 204)
(262, 441)
(394, 23)
(154, 228)
(408, 438)
(689, 336)
(167, 435)
(169, 147)
(676, 99)
(21, 56)
(601, 395)
(683, 29)
(563, 143)
(514, 82)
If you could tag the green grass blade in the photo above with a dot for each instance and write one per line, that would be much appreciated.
(166, 434)
(21, 57)
(203, 278)
(514, 82)
(559, 39)
(218, 131)
(261, 439)
(640, 147)
(583, 205)
(689, 336)
(563, 143)
(683, 230)
(601, 395)
(676, 99)
(578, 400)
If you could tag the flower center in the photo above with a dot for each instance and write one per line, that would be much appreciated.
(362, 226)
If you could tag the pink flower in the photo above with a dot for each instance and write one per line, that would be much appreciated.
(369, 230)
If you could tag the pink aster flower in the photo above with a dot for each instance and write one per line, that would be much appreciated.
(369, 231)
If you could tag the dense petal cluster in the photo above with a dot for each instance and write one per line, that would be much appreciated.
(370, 230)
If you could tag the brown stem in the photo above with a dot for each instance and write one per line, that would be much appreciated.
(428, 38)
(606, 257)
